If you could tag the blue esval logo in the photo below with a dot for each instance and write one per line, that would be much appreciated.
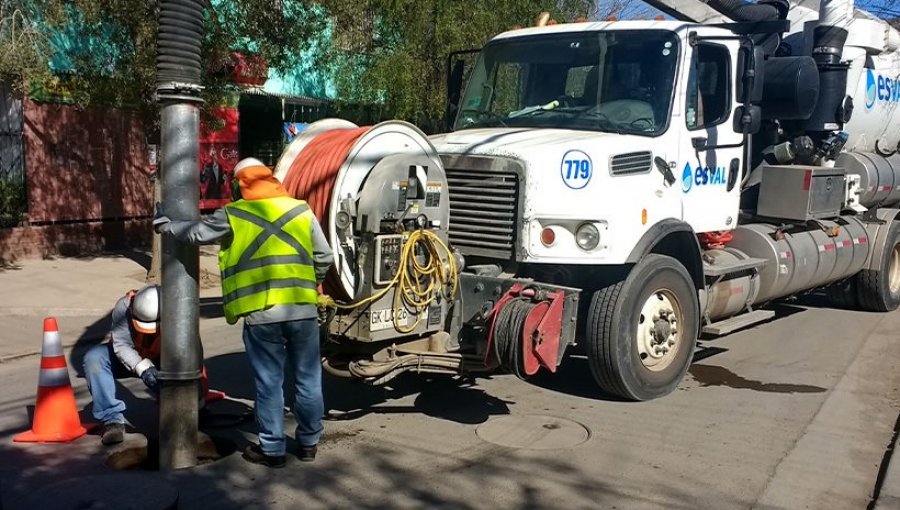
(881, 89)
(687, 178)
(870, 88)
(702, 176)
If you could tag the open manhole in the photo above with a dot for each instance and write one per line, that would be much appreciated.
(145, 456)
(533, 431)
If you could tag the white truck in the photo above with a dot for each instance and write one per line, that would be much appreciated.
(627, 186)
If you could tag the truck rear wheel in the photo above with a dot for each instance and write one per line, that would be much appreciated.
(641, 331)
(879, 289)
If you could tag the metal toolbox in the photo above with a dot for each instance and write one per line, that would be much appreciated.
(801, 193)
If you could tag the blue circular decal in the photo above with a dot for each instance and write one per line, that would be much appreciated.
(576, 169)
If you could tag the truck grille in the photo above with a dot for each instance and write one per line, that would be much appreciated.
(631, 163)
(484, 211)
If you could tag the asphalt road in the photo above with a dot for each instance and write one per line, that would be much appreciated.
(794, 413)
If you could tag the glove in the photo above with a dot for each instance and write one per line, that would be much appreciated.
(150, 378)
(160, 220)
(324, 301)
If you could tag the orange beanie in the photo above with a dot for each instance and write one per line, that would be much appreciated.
(257, 182)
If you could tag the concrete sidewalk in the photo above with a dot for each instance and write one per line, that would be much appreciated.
(79, 292)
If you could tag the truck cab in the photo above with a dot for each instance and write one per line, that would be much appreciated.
(596, 119)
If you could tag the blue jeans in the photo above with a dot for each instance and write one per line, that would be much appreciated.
(267, 346)
(101, 369)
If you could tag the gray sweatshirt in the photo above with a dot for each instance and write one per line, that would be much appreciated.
(215, 229)
(122, 335)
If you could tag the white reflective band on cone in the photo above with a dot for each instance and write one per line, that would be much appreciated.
(53, 377)
(52, 344)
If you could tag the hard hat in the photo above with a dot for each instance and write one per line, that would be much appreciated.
(246, 163)
(145, 309)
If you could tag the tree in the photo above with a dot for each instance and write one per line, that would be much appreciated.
(393, 52)
(103, 52)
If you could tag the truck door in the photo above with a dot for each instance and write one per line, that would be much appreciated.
(711, 152)
(459, 67)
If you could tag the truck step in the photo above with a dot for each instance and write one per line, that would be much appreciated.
(723, 269)
(737, 322)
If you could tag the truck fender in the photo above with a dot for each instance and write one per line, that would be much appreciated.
(674, 238)
(878, 231)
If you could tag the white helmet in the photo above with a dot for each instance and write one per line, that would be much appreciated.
(246, 163)
(145, 309)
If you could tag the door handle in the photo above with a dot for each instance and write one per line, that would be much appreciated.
(733, 170)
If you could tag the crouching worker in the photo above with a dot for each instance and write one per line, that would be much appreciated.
(132, 351)
(273, 255)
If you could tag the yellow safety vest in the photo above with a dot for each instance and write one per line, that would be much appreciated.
(270, 259)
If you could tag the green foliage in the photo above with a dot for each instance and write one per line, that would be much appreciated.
(12, 201)
(110, 45)
(394, 52)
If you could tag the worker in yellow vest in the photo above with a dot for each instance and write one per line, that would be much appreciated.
(273, 256)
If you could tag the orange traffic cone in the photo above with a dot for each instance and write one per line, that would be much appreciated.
(209, 395)
(55, 415)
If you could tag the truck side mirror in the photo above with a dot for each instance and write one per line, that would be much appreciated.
(747, 119)
(750, 73)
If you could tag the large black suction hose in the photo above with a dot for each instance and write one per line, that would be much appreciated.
(179, 44)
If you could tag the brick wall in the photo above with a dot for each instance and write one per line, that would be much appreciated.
(87, 180)
(76, 239)
(85, 164)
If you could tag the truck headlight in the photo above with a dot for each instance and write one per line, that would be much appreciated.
(587, 236)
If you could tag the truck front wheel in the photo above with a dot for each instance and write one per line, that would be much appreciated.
(641, 331)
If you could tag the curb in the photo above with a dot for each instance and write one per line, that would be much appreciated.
(24, 311)
(66, 346)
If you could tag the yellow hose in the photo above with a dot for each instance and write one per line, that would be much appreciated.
(417, 285)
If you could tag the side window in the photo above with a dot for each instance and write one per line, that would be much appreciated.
(709, 87)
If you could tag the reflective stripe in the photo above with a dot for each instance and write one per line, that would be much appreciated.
(53, 362)
(51, 377)
(270, 229)
(272, 260)
(52, 344)
(271, 284)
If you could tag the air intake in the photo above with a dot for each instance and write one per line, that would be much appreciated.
(631, 163)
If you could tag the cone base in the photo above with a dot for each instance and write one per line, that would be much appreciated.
(215, 396)
(31, 437)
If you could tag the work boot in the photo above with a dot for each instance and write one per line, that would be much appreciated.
(306, 453)
(254, 454)
(112, 433)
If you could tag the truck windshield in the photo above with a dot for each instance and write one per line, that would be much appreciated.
(617, 81)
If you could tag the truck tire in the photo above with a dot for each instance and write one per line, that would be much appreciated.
(879, 289)
(641, 331)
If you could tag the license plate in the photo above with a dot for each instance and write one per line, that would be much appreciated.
(380, 320)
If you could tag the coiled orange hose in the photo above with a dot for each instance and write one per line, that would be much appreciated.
(311, 178)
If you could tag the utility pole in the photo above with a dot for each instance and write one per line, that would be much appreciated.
(178, 92)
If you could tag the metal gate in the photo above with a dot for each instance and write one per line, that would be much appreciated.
(12, 159)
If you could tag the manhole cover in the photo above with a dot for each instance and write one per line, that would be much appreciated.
(533, 431)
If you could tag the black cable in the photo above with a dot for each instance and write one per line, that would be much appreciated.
(508, 329)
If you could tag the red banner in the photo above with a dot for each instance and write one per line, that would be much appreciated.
(218, 156)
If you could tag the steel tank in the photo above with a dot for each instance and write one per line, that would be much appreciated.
(730, 295)
(797, 260)
(879, 177)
